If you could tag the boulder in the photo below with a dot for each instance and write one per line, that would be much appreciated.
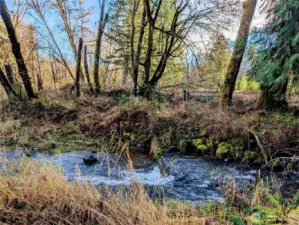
(89, 160)
(223, 151)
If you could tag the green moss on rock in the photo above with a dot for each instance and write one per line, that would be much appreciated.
(198, 144)
(223, 150)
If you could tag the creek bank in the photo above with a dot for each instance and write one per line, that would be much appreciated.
(246, 150)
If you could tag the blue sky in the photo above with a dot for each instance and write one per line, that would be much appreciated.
(53, 21)
(94, 5)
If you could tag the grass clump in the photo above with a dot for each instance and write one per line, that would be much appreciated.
(38, 193)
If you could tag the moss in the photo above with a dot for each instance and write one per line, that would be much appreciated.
(203, 133)
(210, 143)
(250, 156)
(198, 144)
(133, 138)
(127, 134)
(56, 151)
(237, 152)
(202, 148)
(266, 215)
(276, 164)
(223, 150)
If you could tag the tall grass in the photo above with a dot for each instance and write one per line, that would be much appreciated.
(33, 192)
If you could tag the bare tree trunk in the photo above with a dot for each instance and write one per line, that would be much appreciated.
(78, 68)
(126, 72)
(16, 50)
(9, 73)
(40, 83)
(239, 49)
(87, 71)
(7, 86)
(138, 53)
(152, 23)
(101, 28)
(53, 72)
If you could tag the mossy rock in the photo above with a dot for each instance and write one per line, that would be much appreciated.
(198, 144)
(197, 141)
(223, 151)
(249, 156)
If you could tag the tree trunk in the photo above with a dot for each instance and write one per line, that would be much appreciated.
(53, 72)
(101, 28)
(40, 83)
(16, 49)
(78, 68)
(9, 73)
(274, 97)
(7, 86)
(239, 49)
(87, 70)
(148, 90)
(138, 53)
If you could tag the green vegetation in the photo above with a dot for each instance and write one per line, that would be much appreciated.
(277, 62)
(247, 84)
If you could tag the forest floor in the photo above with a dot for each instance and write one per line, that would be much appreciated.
(57, 122)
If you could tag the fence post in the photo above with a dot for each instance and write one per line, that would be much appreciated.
(185, 95)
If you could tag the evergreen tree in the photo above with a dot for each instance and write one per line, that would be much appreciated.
(278, 60)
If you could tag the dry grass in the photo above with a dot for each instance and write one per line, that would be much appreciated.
(59, 119)
(40, 194)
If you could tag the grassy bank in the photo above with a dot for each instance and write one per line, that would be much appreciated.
(58, 122)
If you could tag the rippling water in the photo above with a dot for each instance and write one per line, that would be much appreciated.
(192, 179)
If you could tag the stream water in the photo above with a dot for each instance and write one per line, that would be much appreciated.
(189, 178)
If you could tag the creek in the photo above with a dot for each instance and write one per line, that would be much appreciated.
(189, 178)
